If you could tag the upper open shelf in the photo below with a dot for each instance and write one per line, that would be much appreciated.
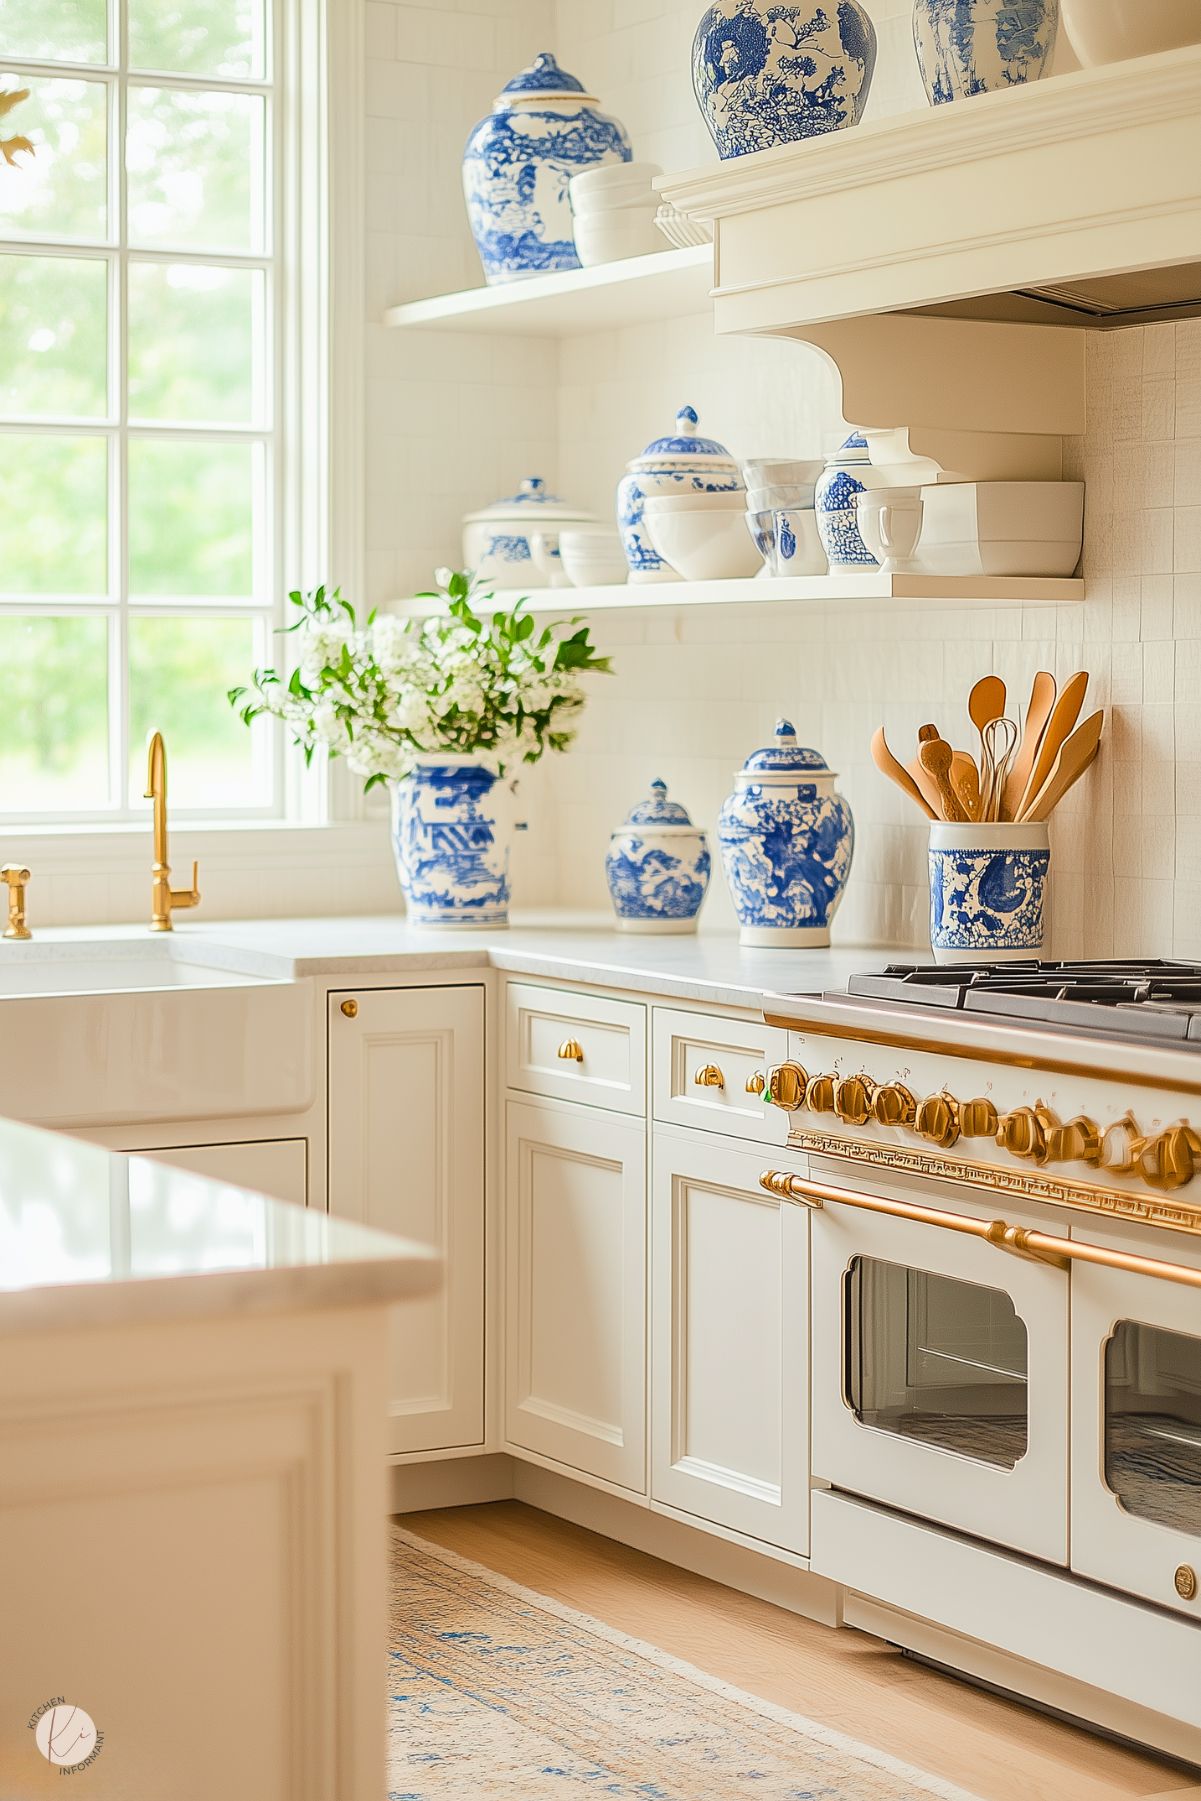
(664, 286)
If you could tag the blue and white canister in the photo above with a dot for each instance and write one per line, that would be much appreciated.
(987, 891)
(453, 821)
(786, 838)
(681, 463)
(765, 73)
(969, 47)
(500, 541)
(847, 473)
(657, 866)
(542, 130)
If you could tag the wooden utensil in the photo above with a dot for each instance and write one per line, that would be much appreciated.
(965, 779)
(1063, 717)
(926, 786)
(986, 701)
(1042, 699)
(1073, 759)
(1000, 741)
(936, 756)
(896, 772)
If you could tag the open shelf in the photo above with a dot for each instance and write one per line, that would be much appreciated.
(666, 285)
(865, 590)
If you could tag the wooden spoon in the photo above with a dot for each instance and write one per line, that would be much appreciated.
(926, 786)
(936, 755)
(965, 779)
(1063, 717)
(1042, 699)
(1073, 759)
(887, 764)
(986, 701)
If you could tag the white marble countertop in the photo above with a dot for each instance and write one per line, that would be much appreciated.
(89, 1237)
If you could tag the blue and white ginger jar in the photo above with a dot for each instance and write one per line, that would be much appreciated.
(681, 463)
(499, 540)
(766, 73)
(976, 46)
(786, 838)
(657, 867)
(453, 821)
(987, 891)
(542, 130)
(847, 473)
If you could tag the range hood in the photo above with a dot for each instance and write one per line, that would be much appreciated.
(1139, 297)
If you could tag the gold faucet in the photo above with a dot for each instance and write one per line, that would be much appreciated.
(162, 896)
(16, 876)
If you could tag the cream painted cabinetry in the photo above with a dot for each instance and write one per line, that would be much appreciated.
(406, 1154)
(729, 1342)
(274, 1166)
(575, 1279)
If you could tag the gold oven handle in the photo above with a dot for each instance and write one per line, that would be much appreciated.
(1042, 1247)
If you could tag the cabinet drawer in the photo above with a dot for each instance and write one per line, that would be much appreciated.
(547, 1027)
(701, 1069)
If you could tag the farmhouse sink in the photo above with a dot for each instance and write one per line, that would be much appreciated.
(127, 1033)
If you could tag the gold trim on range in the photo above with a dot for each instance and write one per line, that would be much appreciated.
(1147, 1210)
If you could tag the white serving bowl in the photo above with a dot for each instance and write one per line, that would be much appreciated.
(1109, 31)
(780, 494)
(723, 500)
(611, 237)
(776, 472)
(796, 544)
(705, 544)
(594, 187)
(597, 567)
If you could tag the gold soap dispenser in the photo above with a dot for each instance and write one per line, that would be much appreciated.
(163, 898)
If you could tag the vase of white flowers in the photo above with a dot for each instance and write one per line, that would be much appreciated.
(445, 710)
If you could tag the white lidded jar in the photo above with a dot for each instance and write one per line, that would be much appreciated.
(657, 866)
(682, 463)
(498, 541)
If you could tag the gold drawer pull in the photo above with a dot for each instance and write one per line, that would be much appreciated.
(350, 1008)
(709, 1076)
(757, 1083)
(571, 1051)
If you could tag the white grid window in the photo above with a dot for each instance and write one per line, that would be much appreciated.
(140, 498)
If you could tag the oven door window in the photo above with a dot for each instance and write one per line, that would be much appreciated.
(1153, 1424)
(937, 1361)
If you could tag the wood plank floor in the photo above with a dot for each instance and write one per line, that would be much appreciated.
(994, 1748)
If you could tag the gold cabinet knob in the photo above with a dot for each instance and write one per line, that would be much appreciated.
(1185, 1581)
(350, 1008)
(786, 1086)
(819, 1094)
(978, 1118)
(1079, 1141)
(756, 1083)
(15, 875)
(938, 1119)
(571, 1051)
(1021, 1134)
(1121, 1145)
(1169, 1160)
(853, 1096)
(894, 1105)
(708, 1076)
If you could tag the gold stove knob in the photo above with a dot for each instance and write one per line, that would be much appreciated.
(819, 1094)
(894, 1105)
(1022, 1134)
(938, 1119)
(785, 1087)
(1122, 1145)
(978, 1118)
(853, 1097)
(1185, 1581)
(1079, 1141)
(1169, 1160)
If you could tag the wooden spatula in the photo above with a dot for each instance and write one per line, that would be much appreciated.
(1063, 717)
(1073, 759)
(896, 772)
(965, 779)
(1042, 699)
(936, 755)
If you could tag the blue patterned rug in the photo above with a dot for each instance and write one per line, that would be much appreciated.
(497, 1691)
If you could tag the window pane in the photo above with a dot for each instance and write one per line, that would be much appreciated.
(70, 31)
(54, 749)
(195, 165)
(53, 326)
(199, 37)
(53, 514)
(191, 518)
(59, 191)
(180, 672)
(193, 338)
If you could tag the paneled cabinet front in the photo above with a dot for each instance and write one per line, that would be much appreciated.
(730, 1345)
(406, 1154)
(575, 1304)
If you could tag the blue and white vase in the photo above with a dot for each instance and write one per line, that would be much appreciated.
(786, 838)
(976, 46)
(765, 73)
(657, 867)
(542, 130)
(987, 891)
(847, 473)
(453, 821)
(681, 463)
(501, 540)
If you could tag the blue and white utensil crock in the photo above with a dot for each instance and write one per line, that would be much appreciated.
(786, 838)
(657, 866)
(542, 130)
(681, 463)
(976, 46)
(987, 891)
(847, 473)
(765, 73)
(499, 540)
(453, 821)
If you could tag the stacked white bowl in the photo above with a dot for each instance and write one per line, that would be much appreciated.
(702, 535)
(780, 514)
(614, 207)
(592, 557)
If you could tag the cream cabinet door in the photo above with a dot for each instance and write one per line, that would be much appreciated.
(730, 1347)
(274, 1166)
(406, 1154)
(575, 1304)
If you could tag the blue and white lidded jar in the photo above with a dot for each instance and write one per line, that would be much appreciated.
(542, 130)
(786, 838)
(847, 473)
(657, 867)
(453, 821)
(681, 463)
(499, 541)
(765, 73)
(976, 46)
(987, 891)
